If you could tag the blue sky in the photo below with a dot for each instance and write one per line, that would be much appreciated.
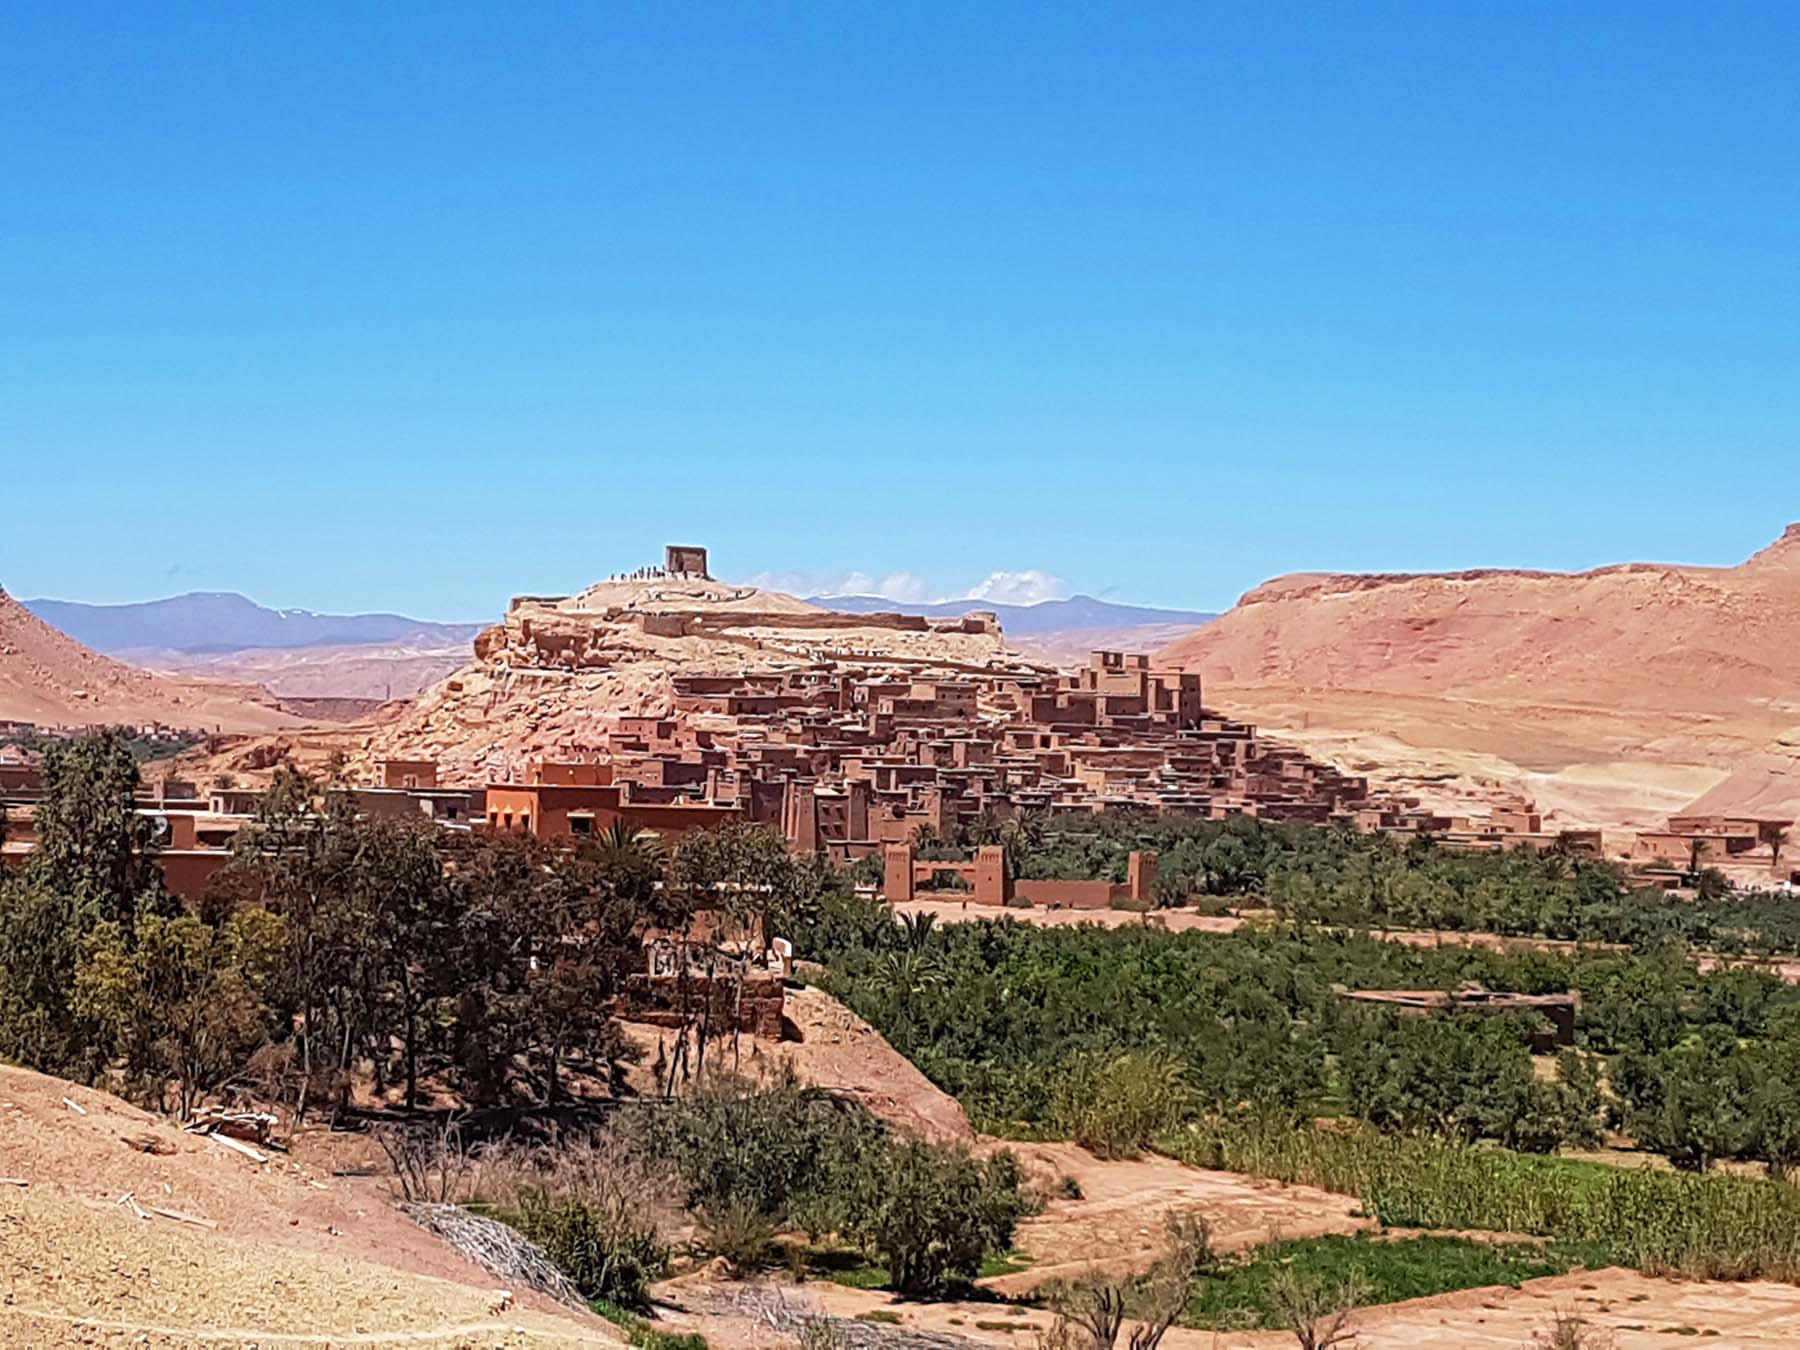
(417, 307)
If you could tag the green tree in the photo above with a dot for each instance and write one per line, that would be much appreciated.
(399, 901)
(1775, 1069)
(1466, 1075)
(1562, 1112)
(300, 856)
(39, 943)
(933, 1212)
(182, 1002)
(1694, 1103)
(95, 862)
(94, 846)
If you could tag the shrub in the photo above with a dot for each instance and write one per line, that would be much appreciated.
(933, 1211)
(1569, 1330)
(1116, 1105)
(733, 1141)
(608, 1255)
(430, 1165)
(595, 1208)
(822, 1333)
(741, 1232)
(647, 1337)
(754, 1159)
(1318, 1312)
(1094, 1308)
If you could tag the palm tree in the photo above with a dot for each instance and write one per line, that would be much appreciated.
(1696, 856)
(623, 837)
(919, 930)
(916, 967)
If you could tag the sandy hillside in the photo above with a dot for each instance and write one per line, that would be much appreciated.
(372, 671)
(1071, 647)
(831, 1047)
(283, 1253)
(297, 1256)
(49, 678)
(1613, 696)
(1765, 784)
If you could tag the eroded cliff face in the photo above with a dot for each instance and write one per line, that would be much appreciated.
(1624, 688)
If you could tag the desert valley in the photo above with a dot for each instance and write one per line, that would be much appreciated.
(1597, 704)
(926, 677)
(938, 774)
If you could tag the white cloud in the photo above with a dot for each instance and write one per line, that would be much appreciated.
(903, 587)
(1028, 586)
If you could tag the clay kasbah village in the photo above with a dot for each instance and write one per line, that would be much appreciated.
(938, 678)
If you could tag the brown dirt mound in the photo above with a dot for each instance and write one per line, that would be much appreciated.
(291, 1253)
(840, 1052)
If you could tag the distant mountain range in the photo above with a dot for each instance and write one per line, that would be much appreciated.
(221, 622)
(1047, 616)
(296, 653)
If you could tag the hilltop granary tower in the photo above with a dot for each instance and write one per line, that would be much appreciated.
(685, 560)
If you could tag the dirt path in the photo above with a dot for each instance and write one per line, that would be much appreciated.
(1639, 1313)
(1118, 1222)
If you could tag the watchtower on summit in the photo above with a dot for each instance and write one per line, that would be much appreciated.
(685, 560)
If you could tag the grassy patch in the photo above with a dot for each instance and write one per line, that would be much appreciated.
(839, 1265)
(1708, 1226)
(1238, 1299)
(1003, 1263)
(641, 1333)
(649, 1338)
(856, 1270)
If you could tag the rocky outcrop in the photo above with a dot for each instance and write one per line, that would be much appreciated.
(546, 678)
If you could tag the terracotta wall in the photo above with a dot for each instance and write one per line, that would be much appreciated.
(1069, 894)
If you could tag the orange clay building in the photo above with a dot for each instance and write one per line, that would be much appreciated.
(571, 800)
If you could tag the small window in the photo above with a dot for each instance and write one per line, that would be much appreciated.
(581, 824)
